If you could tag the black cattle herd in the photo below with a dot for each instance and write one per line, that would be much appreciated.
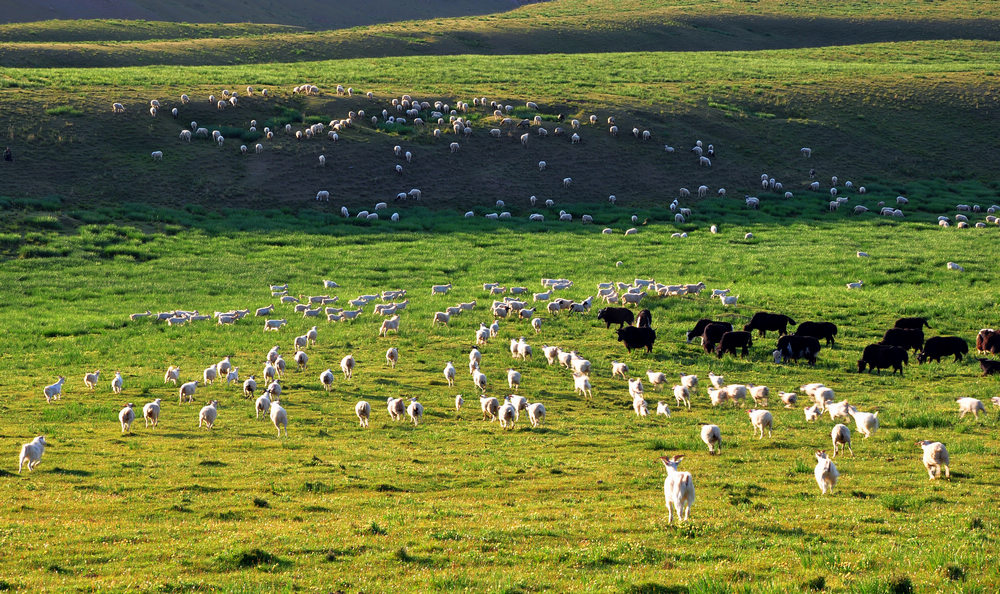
(891, 352)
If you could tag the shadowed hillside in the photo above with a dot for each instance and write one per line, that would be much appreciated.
(312, 14)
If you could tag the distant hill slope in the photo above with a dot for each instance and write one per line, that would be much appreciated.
(559, 26)
(312, 14)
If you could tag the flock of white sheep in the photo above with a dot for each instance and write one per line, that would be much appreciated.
(678, 486)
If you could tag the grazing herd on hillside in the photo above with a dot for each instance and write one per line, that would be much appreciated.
(719, 337)
(461, 120)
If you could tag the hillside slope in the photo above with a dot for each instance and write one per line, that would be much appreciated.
(313, 14)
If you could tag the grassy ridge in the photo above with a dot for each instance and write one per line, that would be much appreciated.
(454, 504)
(853, 105)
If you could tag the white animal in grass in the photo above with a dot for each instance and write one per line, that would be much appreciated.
(31, 453)
(54, 391)
(712, 436)
(935, 457)
(126, 416)
(678, 489)
(825, 472)
(151, 412)
(208, 414)
(364, 411)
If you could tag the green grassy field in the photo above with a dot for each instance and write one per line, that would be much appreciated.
(899, 96)
(456, 504)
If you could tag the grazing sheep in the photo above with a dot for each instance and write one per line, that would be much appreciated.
(347, 366)
(187, 391)
(678, 489)
(712, 436)
(126, 416)
(208, 414)
(825, 472)
(617, 369)
(54, 391)
(31, 453)
(841, 436)
(789, 399)
(415, 411)
(970, 405)
(761, 419)
(812, 413)
(249, 386)
(210, 374)
(935, 456)
(867, 423)
(150, 413)
(581, 385)
(280, 418)
(262, 405)
(683, 396)
(90, 379)
(490, 406)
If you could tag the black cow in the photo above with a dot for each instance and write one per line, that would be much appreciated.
(943, 346)
(616, 315)
(989, 367)
(699, 328)
(635, 338)
(763, 321)
(645, 319)
(826, 330)
(713, 334)
(913, 323)
(908, 338)
(731, 341)
(795, 347)
(880, 356)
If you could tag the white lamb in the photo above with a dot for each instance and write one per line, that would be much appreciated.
(662, 408)
(581, 385)
(841, 436)
(712, 436)
(970, 405)
(208, 414)
(935, 456)
(280, 418)
(678, 489)
(683, 396)
(490, 406)
(513, 379)
(812, 413)
(825, 472)
(415, 411)
(151, 412)
(54, 391)
(536, 414)
(761, 419)
(616, 369)
(90, 379)
(867, 423)
(126, 416)
(347, 366)
(639, 406)
(186, 391)
(31, 453)
(262, 405)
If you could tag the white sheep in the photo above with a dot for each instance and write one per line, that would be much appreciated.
(280, 418)
(186, 391)
(954, 266)
(90, 379)
(662, 408)
(841, 436)
(935, 456)
(479, 379)
(150, 413)
(712, 436)
(490, 406)
(208, 414)
(347, 366)
(683, 396)
(31, 453)
(970, 405)
(301, 359)
(840, 409)
(639, 405)
(390, 325)
(825, 472)
(250, 386)
(126, 416)
(789, 399)
(54, 391)
(678, 489)
(415, 411)
(761, 419)
(867, 423)
(536, 414)
(812, 412)
(363, 410)
(581, 385)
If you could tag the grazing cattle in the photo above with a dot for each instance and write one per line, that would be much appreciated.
(943, 346)
(763, 321)
(616, 315)
(712, 334)
(824, 330)
(908, 338)
(645, 319)
(990, 342)
(914, 323)
(989, 367)
(731, 341)
(699, 328)
(882, 356)
(635, 338)
(795, 347)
